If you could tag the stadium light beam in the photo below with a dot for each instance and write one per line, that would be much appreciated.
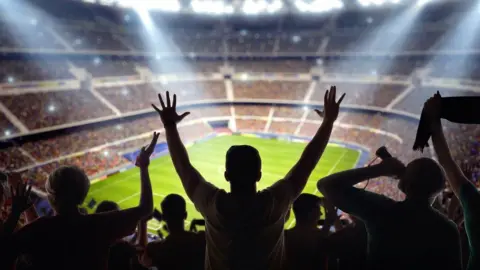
(459, 41)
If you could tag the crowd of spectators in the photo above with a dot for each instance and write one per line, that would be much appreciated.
(81, 38)
(283, 127)
(47, 109)
(186, 66)
(270, 90)
(377, 95)
(26, 34)
(252, 110)
(255, 44)
(99, 67)
(12, 71)
(271, 66)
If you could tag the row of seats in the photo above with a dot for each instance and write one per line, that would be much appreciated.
(12, 71)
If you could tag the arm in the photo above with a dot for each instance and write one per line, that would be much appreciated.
(338, 188)
(299, 174)
(118, 224)
(455, 176)
(189, 176)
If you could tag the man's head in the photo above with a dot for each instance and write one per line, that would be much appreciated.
(107, 206)
(67, 188)
(174, 208)
(243, 165)
(306, 209)
(423, 178)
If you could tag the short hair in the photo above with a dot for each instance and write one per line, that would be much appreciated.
(173, 207)
(303, 206)
(425, 178)
(243, 161)
(67, 186)
(107, 206)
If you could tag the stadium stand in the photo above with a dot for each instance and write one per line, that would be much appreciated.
(377, 95)
(270, 90)
(47, 109)
(99, 67)
(33, 70)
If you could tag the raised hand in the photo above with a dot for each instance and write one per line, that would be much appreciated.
(433, 106)
(20, 197)
(330, 106)
(143, 160)
(168, 113)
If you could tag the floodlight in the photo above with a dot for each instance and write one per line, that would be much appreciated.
(305, 108)
(119, 127)
(7, 132)
(163, 5)
(244, 76)
(318, 5)
(211, 7)
(96, 61)
(10, 79)
(105, 153)
(125, 91)
(51, 108)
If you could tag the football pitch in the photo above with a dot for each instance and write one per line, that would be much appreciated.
(208, 157)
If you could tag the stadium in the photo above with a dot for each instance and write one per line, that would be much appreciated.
(77, 80)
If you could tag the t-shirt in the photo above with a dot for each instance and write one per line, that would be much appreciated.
(404, 235)
(306, 249)
(470, 200)
(180, 251)
(71, 242)
(244, 234)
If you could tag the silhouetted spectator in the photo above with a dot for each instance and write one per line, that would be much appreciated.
(401, 235)
(244, 228)
(180, 249)
(306, 245)
(463, 188)
(48, 241)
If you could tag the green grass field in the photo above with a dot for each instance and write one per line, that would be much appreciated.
(209, 158)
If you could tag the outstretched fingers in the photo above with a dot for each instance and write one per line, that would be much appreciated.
(185, 114)
(174, 104)
(168, 100)
(161, 101)
(320, 113)
(156, 109)
(341, 99)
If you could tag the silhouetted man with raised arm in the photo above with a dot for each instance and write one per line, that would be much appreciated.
(244, 228)
(401, 235)
(466, 191)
